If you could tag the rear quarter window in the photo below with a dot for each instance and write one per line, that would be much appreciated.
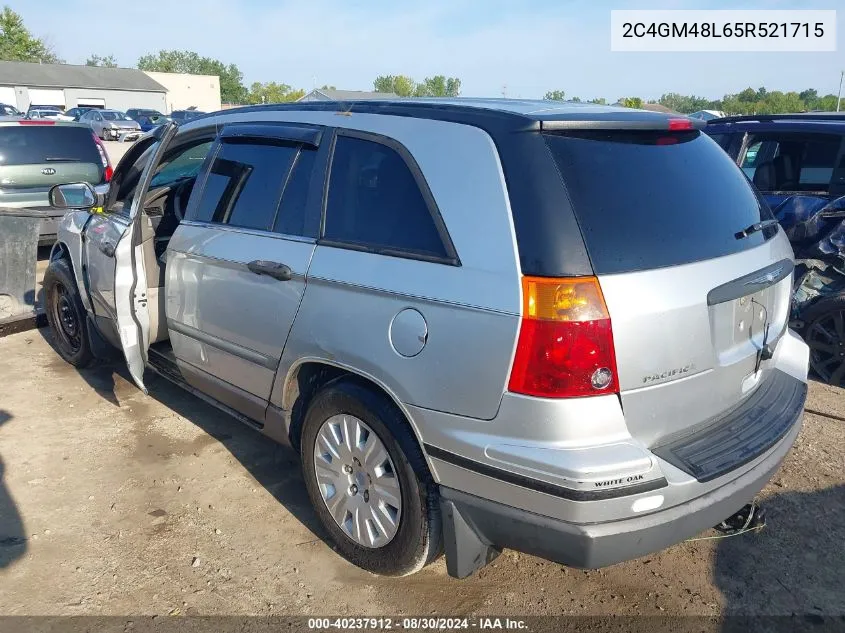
(648, 199)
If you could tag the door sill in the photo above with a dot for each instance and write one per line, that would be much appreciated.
(162, 361)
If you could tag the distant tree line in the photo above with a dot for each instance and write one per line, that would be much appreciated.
(18, 44)
(749, 101)
(404, 86)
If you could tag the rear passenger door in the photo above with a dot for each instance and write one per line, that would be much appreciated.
(236, 266)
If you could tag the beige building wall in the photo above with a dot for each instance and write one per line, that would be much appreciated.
(185, 91)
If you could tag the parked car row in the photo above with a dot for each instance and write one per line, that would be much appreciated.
(39, 154)
(605, 369)
(108, 124)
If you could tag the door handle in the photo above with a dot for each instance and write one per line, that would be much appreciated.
(271, 269)
(107, 248)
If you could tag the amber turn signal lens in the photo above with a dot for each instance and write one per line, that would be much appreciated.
(573, 299)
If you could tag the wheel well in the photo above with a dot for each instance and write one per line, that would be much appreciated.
(59, 251)
(309, 378)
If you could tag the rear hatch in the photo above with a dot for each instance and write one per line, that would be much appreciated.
(36, 156)
(692, 299)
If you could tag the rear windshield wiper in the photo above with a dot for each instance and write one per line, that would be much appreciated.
(62, 159)
(757, 226)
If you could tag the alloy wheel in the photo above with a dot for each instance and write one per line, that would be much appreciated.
(826, 338)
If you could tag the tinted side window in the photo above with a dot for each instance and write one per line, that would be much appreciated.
(792, 161)
(290, 218)
(374, 201)
(245, 183)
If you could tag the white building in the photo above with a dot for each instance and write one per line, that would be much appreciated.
(201, 92)
(23, 84)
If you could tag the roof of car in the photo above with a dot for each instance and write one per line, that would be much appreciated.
(517, 113)
(796, 124)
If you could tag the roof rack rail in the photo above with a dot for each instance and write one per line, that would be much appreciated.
(804, 116)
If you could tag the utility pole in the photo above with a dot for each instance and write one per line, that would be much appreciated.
(505, 91)
(839, 96)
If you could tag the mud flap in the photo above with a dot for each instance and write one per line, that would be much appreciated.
(466, 552)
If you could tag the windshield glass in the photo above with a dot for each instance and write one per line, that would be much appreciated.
(115, 116)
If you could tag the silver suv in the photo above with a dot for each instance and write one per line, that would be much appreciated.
(558, 328)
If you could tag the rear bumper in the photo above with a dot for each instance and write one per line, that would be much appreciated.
(476, 529)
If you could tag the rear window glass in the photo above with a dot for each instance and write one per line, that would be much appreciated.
(653, 199)
(37, 144)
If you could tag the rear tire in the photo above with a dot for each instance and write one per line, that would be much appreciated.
(824, 333)
(415, 539)
(66, 315)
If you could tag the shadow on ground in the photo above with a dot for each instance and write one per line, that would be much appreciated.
(12, 535)
(273, 466)
(793, 567)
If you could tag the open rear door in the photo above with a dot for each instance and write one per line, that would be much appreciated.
(130, 279)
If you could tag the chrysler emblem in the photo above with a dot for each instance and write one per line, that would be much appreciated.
(769, 277)
(48, 171)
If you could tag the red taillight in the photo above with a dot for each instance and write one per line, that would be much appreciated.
(104, 158)
(36, 122)
(565, 346)
(680, 124)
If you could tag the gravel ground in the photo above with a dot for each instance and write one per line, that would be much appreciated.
(117, 503)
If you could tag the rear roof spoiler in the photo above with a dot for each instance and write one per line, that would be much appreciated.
(657, 124)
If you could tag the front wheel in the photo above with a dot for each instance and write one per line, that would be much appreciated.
(368, 480)
(66, 314)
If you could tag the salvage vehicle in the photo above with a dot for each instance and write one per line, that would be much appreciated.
(449, 308)
(111, 125)
(797, 161)
(37, 154)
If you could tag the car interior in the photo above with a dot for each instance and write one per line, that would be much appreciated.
(164, 208)
(793, 163)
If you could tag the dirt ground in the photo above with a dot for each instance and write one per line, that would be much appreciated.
(117, 503)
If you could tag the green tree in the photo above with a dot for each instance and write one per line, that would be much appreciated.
(17, 44)
(232, 89)
(575, 99)
(810, 97)
(631, 102)
(555, 95)
(272, 92)
(749, 95)
(827, 103)
(404, 86)
(438, 86)
(598, 101)
(106, 61)
(397, 84)
(328, 87)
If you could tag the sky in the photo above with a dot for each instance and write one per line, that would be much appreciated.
(521, 48)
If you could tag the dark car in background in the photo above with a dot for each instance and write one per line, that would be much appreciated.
(39, 154)
(135, 113)
(148, 123)
(147, 118)
(74, 113)
(181, 116)
(8, 110)
(797, 162)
